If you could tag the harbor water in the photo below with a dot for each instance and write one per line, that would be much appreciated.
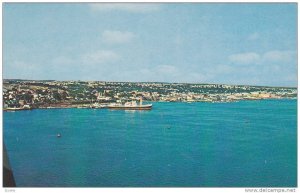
(240, 144)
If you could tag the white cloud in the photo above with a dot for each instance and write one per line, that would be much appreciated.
(100, 57)
(279, 56)
(126, 7)
(267, 58)
(245, 58)
(116, 37)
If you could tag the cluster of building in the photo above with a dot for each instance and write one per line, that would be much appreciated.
(20, 95)
(43, 94)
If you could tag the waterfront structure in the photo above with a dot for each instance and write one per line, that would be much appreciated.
(130, 106)
(66, 94)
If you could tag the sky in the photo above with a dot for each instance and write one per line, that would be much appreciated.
(224, 43)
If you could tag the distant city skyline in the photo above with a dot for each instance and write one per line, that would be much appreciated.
(219, 43)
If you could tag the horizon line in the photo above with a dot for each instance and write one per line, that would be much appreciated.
(149, 82)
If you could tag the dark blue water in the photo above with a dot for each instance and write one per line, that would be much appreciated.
(243, 144)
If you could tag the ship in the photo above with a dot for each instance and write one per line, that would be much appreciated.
(25, 107)
(132, 105)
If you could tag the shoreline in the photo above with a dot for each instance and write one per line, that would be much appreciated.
(105, 105)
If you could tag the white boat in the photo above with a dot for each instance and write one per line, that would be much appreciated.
(130, 106)
(97, 106)
(24, 107)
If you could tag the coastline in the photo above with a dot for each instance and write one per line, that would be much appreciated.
(96, 105)
(26, 95)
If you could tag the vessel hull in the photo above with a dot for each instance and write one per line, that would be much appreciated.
(148, 107)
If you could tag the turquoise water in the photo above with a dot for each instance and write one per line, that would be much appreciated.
(242, 144)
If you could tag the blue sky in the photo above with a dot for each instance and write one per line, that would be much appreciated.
(253, 44)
